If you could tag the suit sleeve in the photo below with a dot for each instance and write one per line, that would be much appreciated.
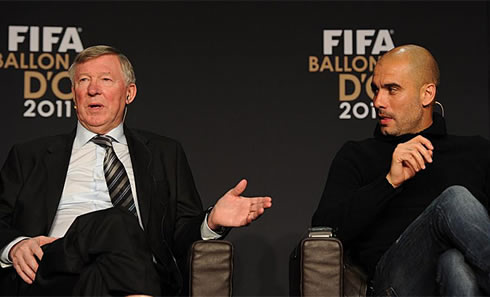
(190, 214)
(348, 203)
(11, 183)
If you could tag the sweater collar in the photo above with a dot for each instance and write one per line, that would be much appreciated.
(436, 130)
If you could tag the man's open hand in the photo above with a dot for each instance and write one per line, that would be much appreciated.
(233, 210)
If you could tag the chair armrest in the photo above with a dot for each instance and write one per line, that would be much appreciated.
(322, 267)
(316, 266)
(211, 268)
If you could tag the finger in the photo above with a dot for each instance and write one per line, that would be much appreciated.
(239, 188)
(427, 154)
(424, 141)
(27, 271)
(38, 252)
(265, 201)
(418, 158)
(410, 163)
(43, 240)
(32, 264)
(250, 218)
(22, 275)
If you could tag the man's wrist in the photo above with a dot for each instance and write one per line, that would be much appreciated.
(5, 252)
(388, 178)
(220, 229)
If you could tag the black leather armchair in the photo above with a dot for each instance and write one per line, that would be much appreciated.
(319, 267)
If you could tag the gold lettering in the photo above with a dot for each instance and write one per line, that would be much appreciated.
(369, 90)
(343, 78)
(337, 67)
(372, 63)
(40, 62)
(28, 93)
(22, 62)
(11, 61)
(60, 62)
(55, 86)
(313, 64)
(346, 64)
(326, 64)
(31, 62)
(361, 68)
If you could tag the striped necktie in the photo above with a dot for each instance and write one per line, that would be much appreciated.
(115, 176)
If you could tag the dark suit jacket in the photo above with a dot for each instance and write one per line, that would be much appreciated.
(32, 180)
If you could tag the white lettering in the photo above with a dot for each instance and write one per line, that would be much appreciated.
(328, 42)
(362, 42)
(34, 39)
(49, 39)
(51, 36)
(383, 42)
(70, 40)
(15, 38)
(361, 39)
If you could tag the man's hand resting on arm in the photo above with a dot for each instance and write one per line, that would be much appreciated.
(23, 256)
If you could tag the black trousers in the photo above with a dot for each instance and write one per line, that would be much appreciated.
(103, 253)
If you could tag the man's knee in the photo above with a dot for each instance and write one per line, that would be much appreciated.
(459, 200)
(113, 220)
(455, 276)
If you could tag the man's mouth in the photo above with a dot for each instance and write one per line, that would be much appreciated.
(384, 119)
(95, 106)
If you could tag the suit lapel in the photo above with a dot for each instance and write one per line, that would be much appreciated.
(141, 161)
(57, 161)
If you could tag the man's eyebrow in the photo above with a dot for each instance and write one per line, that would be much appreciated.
(100, 73)
(391, 85)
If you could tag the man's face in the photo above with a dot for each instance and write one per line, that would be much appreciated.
(100, 93)
(397, 97)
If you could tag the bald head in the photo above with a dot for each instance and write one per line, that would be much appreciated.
(405, 83)
(423, 66)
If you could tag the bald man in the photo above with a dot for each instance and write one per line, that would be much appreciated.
(411, 203)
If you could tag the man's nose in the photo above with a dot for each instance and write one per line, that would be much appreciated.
(93, 88)
(379, 99)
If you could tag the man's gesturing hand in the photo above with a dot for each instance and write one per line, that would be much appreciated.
(409, 158)
(233, 210)
(23, 255)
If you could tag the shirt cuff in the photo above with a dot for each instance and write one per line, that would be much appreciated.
(4, 253)
(206, 232)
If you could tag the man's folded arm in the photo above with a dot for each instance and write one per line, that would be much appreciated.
(347, 204)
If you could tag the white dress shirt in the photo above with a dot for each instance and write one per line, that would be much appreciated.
(85, 188)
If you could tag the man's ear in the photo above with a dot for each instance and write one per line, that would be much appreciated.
(428, 94)
(131, 93)
(73, 97)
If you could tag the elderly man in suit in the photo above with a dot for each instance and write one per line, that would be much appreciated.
(105, 209)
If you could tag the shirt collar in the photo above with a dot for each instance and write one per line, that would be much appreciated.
(84, 135)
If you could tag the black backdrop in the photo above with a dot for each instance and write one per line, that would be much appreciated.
(232, 82)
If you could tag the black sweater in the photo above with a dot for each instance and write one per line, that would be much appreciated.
(369, 214)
